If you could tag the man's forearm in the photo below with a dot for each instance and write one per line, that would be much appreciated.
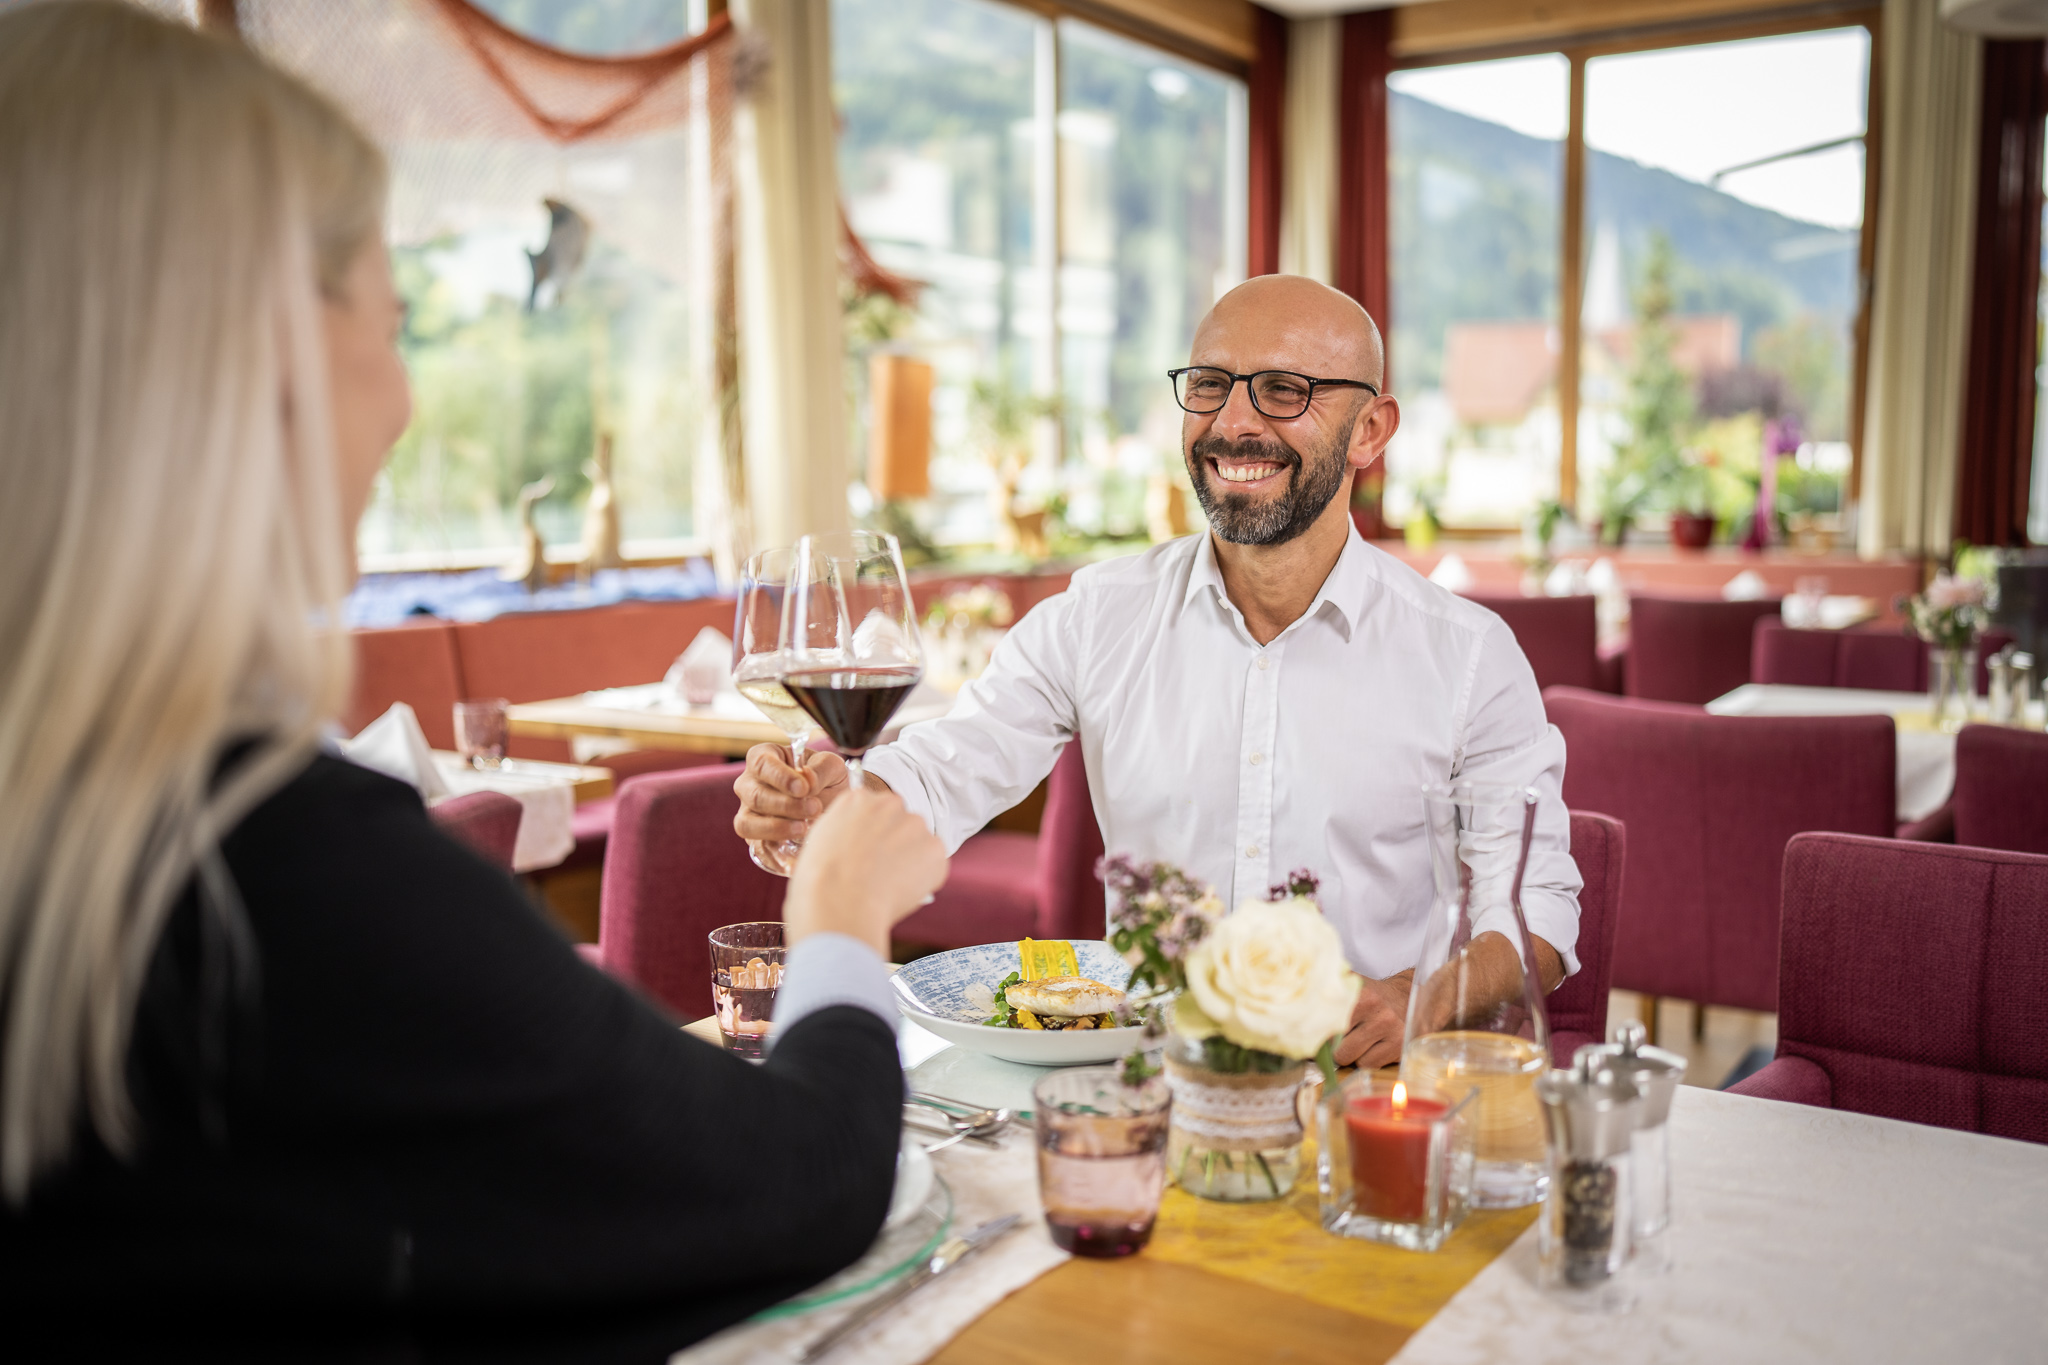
(1491, 976)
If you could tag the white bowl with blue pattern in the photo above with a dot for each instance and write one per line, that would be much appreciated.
(951, 993)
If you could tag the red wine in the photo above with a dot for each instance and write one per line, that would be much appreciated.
(1108, 1237)
(852, 704)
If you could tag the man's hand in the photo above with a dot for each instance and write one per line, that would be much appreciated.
(868, 864)
(1378, 1021)
(778, 803)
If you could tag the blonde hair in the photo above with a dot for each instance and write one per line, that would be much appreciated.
(172, 558)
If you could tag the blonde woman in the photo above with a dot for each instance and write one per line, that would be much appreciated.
(268, 1037)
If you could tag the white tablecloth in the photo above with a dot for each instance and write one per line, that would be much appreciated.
(547, 806)
(1926, 758)
(1798, 1235)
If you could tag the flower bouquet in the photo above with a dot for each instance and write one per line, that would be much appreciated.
(1251, 998)
(1949, 616)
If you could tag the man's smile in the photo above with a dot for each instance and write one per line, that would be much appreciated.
(1248, 474)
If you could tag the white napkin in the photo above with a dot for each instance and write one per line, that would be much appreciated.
(703, 668)
(1452, 574)
(394, 744)
(1747, 586)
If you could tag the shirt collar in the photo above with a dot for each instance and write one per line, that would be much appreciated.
(1344, 591)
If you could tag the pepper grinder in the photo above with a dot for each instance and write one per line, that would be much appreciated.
(2002, 698)
(2024, 684)
(1583, 1236)
(1656, 1074)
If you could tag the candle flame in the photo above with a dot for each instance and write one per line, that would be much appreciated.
(1400, 1097)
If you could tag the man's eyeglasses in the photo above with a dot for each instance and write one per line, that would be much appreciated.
(1279, 394)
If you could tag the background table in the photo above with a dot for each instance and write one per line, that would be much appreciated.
(651, 717)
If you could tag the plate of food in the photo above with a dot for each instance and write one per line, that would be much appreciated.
(1045, 1002)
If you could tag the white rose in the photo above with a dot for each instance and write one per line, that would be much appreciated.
(1272, 977)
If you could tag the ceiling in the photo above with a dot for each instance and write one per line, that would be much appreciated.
(1309, 9)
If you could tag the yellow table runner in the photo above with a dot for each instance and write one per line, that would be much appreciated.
(1281, 1245)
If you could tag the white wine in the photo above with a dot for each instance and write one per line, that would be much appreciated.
(772, 700)
(1508, 1140)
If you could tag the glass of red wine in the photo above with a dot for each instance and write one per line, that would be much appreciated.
(850, 648)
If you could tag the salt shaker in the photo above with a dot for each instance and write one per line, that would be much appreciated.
(1656, 1075)
(1583, 1235)
(2003, 710)
(2024, 684)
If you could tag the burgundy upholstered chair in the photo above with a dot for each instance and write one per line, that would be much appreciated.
(487, 822)
(677, 871)
(1007, 885)
(1914, 981)
(1559, 636)
(1881, 658)
(2002, 789)
(1689, 649)
(1578, 1008)
(1709, 803)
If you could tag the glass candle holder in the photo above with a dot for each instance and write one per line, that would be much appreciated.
(1101, 1158)
(1394, 1165)
(746, 972)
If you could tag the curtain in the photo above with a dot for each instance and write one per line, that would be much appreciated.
(786, 185)
(1996, 464)
(1267, 114)
(1309, 179)
(1920, 290)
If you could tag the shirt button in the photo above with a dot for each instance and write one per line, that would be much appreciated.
(1252, 851)
(1257, 759)
(1264, 663)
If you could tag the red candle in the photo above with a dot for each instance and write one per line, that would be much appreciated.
(1390, 1153)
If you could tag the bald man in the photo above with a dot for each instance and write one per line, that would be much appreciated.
(1270, 695)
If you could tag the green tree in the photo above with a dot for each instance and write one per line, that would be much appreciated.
(1659, 410)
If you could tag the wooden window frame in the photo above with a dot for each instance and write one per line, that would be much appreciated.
(1580, 49)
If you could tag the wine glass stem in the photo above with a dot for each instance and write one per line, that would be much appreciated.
(788, 848)
(855, 773)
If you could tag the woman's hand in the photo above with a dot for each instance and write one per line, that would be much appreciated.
(867, 864)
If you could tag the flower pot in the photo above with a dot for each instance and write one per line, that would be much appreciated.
(1235, 1136)
(1691, 530)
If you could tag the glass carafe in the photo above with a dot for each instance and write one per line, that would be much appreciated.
(1475, 1015)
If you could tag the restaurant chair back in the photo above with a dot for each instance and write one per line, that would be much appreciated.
(675, 872)
(1689, 649)
(1878, 658)
(1578, 1008)
(486, 822)
(1915, 978)
(1709, 803)
(1004, 884)
(2002, 789)
(1559, 636)
(415, 663)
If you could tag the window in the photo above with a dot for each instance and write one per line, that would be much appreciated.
(1724, 207)
(947, 109)
(1476, 168)
(1715, 252)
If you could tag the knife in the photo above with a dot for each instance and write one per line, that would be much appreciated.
(949, 1254)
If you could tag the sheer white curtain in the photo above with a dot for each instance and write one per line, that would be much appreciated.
(1920, 293)
(1308, 192)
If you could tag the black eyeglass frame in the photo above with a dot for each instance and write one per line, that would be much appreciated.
(1251, 389)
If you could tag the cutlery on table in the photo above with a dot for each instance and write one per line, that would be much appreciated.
(950, 1253)
(959, 1130)
(956, 1109)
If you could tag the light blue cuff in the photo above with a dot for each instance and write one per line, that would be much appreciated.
(832, 969)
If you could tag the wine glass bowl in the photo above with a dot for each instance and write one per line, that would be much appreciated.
(851, 653)
(757, 657)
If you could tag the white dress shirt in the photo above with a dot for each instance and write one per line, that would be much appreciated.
(1239, 763)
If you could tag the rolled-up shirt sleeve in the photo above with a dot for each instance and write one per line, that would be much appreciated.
(1509, 741)
(1003, 735)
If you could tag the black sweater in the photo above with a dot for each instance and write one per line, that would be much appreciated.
(423, 1104)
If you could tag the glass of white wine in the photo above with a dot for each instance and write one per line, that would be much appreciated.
(757, 657)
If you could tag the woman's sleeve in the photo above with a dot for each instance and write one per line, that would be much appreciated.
(548, 1134)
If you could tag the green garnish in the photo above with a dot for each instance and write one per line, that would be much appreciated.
(1005, 1016)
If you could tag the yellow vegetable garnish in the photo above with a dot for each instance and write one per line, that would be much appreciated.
(1039, 958)
(1026, 1019)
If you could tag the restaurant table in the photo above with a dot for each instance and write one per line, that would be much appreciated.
(547, 793)
(585, 782)
(1798, 1235)
(1926, 755)
(651, 716)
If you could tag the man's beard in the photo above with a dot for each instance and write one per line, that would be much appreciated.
(1242, 521)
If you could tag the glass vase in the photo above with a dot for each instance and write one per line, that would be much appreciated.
(1236, 1135)
(1951, 684)
(1481, 1029)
